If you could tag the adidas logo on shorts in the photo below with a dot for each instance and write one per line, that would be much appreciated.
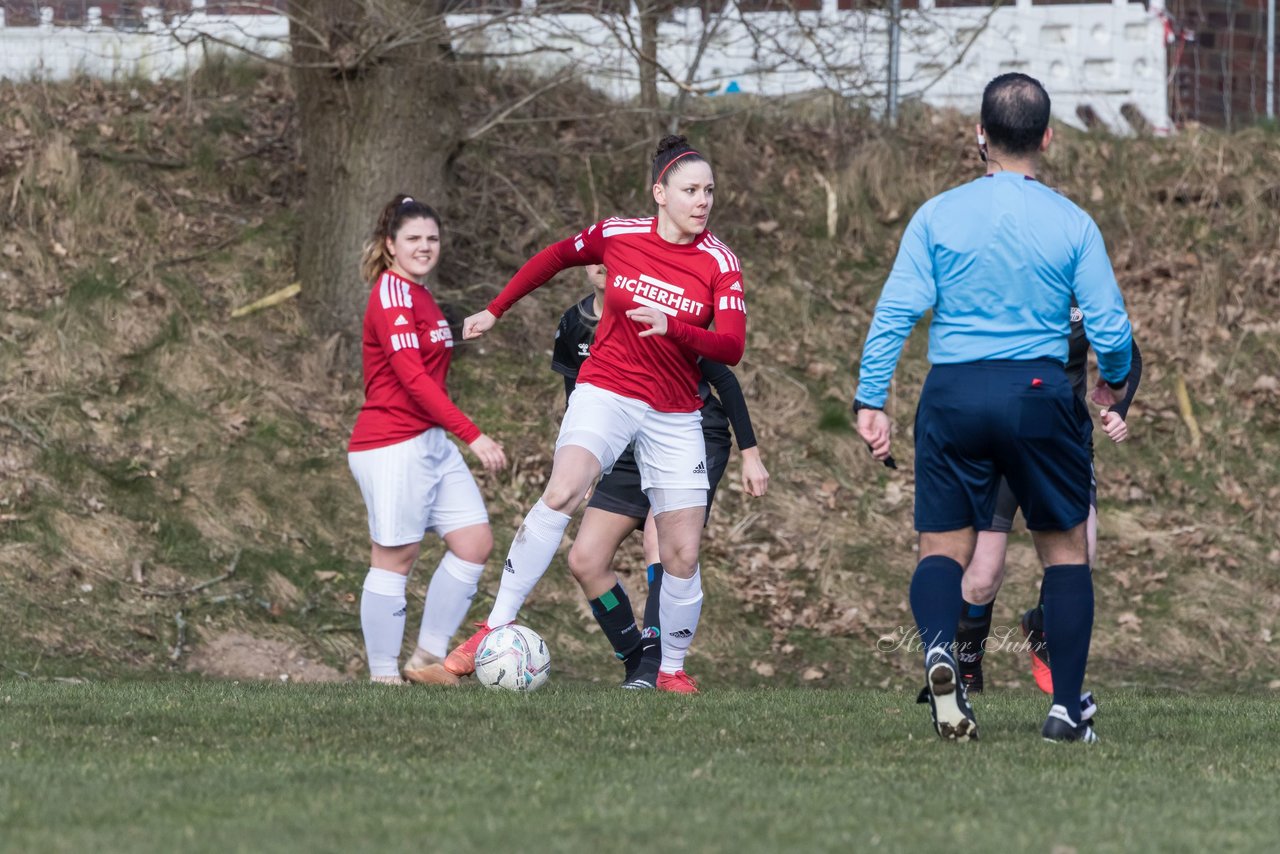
(507, 567)
(681, 633)
(700, 468)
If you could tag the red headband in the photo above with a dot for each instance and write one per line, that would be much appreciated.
(673, 160)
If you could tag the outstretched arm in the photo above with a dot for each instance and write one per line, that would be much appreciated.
(585, 248)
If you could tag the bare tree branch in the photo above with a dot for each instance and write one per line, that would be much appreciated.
(708, 33)
(498, 116)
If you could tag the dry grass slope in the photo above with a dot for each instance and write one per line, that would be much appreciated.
(152, 444)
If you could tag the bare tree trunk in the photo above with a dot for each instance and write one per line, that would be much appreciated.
(378, 114)
(651, 12)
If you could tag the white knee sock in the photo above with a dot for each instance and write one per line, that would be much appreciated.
(531, 553)
(679, 606)
(382, 608)
(448, 598)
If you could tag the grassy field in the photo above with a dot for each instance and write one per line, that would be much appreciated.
(194, 765)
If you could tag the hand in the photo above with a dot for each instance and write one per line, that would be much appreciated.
(755, 478)
(488, 451)
(477, 325)
(1106, 396)
(657, 320)
(1113, 425)
(873, 427)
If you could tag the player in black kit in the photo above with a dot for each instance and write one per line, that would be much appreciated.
(985, 573)
(618, 505)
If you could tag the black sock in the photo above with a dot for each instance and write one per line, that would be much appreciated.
(972, 633)
(936, 599)
(613, 612)
(1037, 619)
(651, 634)
(1068, 619)
(1035, 622)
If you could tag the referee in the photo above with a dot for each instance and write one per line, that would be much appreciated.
(998, 261)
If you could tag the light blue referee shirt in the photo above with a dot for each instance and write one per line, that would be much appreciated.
(997, 260)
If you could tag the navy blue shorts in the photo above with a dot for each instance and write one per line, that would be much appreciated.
(980, 421)
(1007, 505)
(619, 491)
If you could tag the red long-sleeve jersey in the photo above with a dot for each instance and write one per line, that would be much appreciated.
(407, 347)
(693, 284)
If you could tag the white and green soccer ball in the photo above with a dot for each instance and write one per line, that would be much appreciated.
(514, 658)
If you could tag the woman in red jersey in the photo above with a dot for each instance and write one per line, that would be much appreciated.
(669, 280)
(619, 506)
(412, 477)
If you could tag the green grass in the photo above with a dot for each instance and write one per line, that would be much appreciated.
(144, 766)
(835, 418)
(91, 286)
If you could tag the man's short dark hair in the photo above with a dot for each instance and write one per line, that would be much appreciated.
(1015, 113)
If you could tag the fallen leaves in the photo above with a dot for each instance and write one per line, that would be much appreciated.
(237, 424)
(1129, 620)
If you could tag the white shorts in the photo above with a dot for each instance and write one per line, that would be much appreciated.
(669, 448)
(415, 486)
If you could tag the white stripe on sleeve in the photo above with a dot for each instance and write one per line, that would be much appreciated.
(716, 254)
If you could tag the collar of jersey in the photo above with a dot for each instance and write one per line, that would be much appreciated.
(693, 244)
(399, 278)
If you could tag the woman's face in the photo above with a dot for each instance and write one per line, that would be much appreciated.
(687, 196)
(415, 249)
(595, 275)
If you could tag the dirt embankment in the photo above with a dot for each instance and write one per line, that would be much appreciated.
(151, 440)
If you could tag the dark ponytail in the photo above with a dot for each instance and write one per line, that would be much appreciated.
(374, 260)
(673, 153)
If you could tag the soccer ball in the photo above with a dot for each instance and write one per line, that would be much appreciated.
(514, 658)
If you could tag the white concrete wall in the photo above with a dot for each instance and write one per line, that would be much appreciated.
(1100, 56)
(154, 51)
(1097, 55)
